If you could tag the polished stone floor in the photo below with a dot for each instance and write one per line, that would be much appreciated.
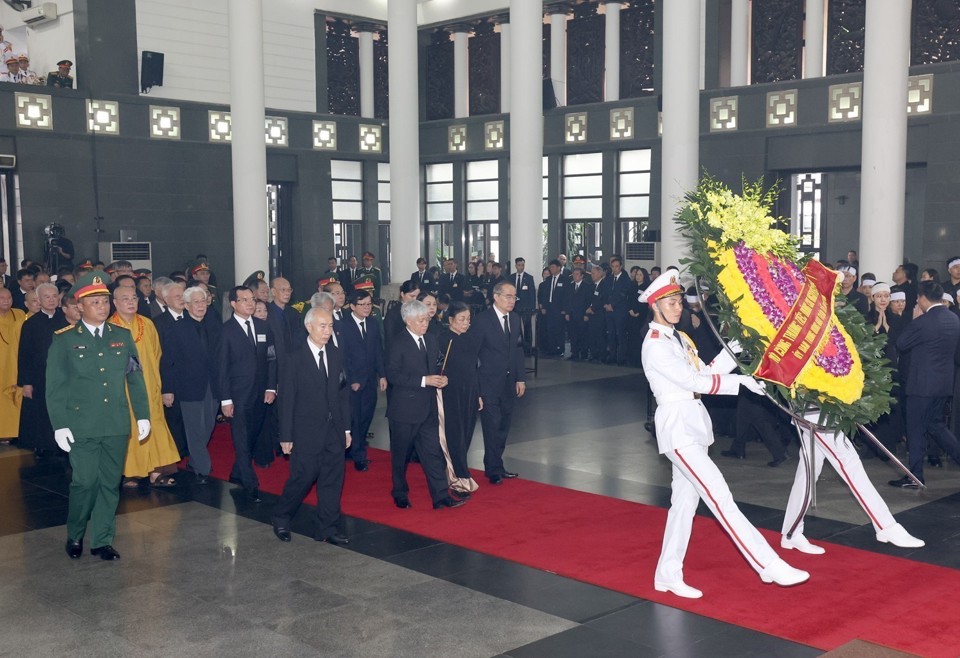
(202, 573)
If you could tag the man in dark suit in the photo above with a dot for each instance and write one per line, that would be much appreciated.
(420, 276)
(526, 300)
(452, 282)
(618, 303)
(552, 296)
(349, 274)
(932, 341)
(314, 430)
(25, 283)
(248, 383)
(575, 313)
(362, 347)
(502, 376)
(412, 407)
(393, 321)
(6, 281)
(597, 314)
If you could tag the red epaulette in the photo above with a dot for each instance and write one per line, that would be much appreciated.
(655, 333)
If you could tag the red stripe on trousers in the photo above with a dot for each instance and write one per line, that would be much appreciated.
(726, 523)
(846, 478)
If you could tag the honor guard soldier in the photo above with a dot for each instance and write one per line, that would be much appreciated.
(93, 378)
(372, 274)
(677, 378)
(61, 77)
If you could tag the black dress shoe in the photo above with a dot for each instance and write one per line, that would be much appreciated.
(105, 552)
(203, 479)
(336, 539)
(402, 502)
(362, 466)
(283, 534)
(508, 475)
(74, 548)
(935, 461)
(904, 483)
(460, 494)
(253, 495)
(733, 453)
(448, 502)
(495, 479)
(779, 460)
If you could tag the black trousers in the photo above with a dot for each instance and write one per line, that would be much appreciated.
(321, 464)
(617, 335)
(925, 415)
(597, 335)
(174, 418)
(495, 422)
(363, 405)
(245, 429)
(754, 415)
(460, 405)
(577, 330)
(425, 438)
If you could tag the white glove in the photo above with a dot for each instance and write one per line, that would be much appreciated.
(143, 429)
(752, 385)
(63, 437)
(735, 346)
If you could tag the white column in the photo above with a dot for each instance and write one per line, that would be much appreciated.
(558, 54)
(461, 74)
(405, 232)
(739, 42)
(526, 131)
(248, 143)
(366, 73)
(680, 145)
(813, 39)
(611, 53)
(703, 43)
(884, 152)
(505, 63)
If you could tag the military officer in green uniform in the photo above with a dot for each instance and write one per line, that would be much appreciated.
(61, 77)
(372, 274)
(91, 367)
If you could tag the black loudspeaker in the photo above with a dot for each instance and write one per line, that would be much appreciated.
(549, 95)
(151, 70)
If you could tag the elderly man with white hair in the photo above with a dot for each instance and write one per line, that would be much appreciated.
(188, 372)
(412, 407)
(36, 432)
(327, 302)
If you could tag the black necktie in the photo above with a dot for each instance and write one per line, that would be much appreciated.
(322, 365)
(506, 325)
(519, 278)
(96, 333)
(423, 348)
(363, 329)
(676, 334)
(253, 339)
(553, 286)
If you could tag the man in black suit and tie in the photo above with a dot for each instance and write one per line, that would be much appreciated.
(420, 276)
(502, 376)
(412, 407)
(452, 282)
(578, 299)
(618, 304)
(526, 300)
(248, 382)
(6, 281)
(551, 309)
(349, 274)
(932, 341)
(362, 347)
(314, 429)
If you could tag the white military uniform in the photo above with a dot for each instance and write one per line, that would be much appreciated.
(846, 462)
(677, 376)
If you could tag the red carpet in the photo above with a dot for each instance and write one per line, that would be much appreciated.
(615, 544)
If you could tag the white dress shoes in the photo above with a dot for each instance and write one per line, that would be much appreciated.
(800, 543)
(679, 588)
(783, 574)
(898, 536)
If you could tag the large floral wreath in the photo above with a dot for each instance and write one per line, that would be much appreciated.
(771, 296)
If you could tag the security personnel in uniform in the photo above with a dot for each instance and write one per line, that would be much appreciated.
(370, 273)
(93, 376)
(61, 77)
(678, 377)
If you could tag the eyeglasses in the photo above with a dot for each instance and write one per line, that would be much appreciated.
(364, 304)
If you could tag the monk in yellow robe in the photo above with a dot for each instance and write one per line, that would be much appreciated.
(11, 321)
(157, 455)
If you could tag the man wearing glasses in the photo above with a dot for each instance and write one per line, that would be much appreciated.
(502, 375)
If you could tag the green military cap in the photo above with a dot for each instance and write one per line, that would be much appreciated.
(142, 271)
(254, 279)
(91, 283)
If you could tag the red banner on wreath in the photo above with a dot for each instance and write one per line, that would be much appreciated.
(799, 337)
